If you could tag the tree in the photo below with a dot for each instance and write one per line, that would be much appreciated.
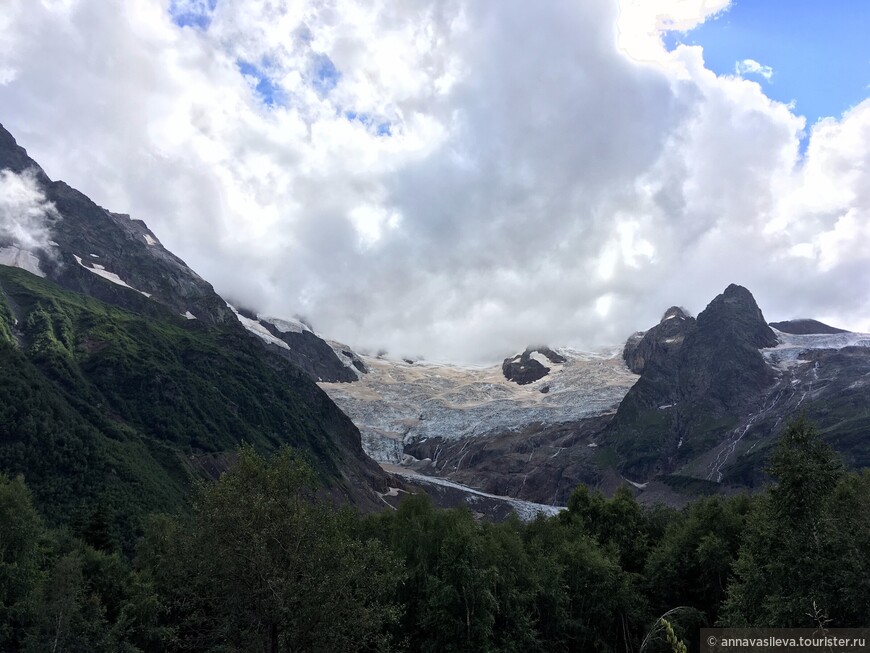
(263, 565)
(809, 527)
(616, 523)
(21, 530)
(691, 563)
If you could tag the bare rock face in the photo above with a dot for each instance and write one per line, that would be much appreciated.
(660, 342)
(313, 354)
(696, 378)
(120, 261)
(107, 255)
(805, 327)
(527, 367)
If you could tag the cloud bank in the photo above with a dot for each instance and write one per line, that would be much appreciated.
(451, 179)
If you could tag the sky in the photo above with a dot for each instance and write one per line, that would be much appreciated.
(802, 52)
(457, 179)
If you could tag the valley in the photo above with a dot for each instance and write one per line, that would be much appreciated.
(621, 416)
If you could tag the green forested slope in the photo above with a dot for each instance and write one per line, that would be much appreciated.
(99, 405)
(260, 564)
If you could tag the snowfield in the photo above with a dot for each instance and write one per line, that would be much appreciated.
(398, 403)
(101, 271)
(787, 353)
(15, 257)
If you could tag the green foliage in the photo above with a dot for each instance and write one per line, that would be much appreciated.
(691, 563)
(57, 593)
(617, 524)
(548, 586)
(262, 565)
(676, 645)
(104, 409)
(803, 559)
(7, 320)
(21, 531)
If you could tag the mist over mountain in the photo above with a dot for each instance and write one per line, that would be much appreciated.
(127, 378)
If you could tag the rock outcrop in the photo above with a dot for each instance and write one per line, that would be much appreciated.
(660, 342)
(527, 367)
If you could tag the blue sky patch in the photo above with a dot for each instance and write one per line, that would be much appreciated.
(269, 92)
(381, 128)
(818, 51)
(325, 74)
(192, 13)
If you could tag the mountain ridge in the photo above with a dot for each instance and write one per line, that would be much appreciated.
(123, 364)
(699, 416)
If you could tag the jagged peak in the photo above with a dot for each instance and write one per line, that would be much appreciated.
(736, 305)
(735, 295)
(736, 291)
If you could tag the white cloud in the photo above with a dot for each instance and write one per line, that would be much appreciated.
(641, 23)
(454, 179)
(25, 215)
(752, 67)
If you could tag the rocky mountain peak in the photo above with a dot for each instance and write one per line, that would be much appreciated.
(736, 312)
(119, 260)
(14, 157)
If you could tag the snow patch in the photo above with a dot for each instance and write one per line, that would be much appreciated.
(16, 257)
(258, 329)
(790, 346)
(285, 325)
(639, 486)
(189, 315)
(338, 348)
(526, 510)
(100, 271)
(149, 240)
(546, 362)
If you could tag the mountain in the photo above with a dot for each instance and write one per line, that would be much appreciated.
(473, 426)
(296, 342)
(126, 377)
(689, 407)
(691, 392)
(87, 245)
